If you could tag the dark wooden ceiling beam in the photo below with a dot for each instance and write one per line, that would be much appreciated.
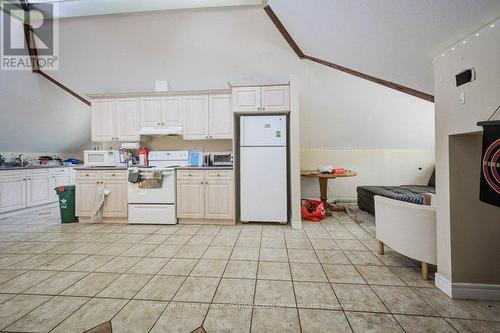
(283, 31)
(386, 83)
(32, 50)
(63, 87)
(301, 55)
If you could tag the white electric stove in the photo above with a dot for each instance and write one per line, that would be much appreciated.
(156, 205)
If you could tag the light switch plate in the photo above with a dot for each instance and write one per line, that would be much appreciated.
(462, 98)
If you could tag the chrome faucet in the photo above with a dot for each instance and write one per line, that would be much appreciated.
(20, 160)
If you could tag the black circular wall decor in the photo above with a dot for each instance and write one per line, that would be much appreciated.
(490, 163)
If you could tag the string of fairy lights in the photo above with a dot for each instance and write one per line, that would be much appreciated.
(484, 30)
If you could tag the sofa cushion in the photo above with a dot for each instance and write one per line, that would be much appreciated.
(404, 192)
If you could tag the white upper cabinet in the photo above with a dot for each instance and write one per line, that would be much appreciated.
(275, 98)
(127, 119)
(151, 112)
(195, 117)
(171, 111)
(246, 99)
(207, 117)
(161, 111)
(261, 99)
(220, 117)
(102, 119)
(115, 119)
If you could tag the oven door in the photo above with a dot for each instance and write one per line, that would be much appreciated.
(164, 194)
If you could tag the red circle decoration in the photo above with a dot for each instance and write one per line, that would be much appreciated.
(491, 163)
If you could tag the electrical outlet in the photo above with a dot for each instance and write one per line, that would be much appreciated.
(330, 187)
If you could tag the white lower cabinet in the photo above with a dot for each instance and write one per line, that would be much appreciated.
(58, 177)
(205, 196)
(12, 190)
(38, 188)
(190, 199)
(116, 201)
(85, 192)
(21, 189)
(87, 185)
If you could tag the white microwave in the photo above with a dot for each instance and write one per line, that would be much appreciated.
(95, 158)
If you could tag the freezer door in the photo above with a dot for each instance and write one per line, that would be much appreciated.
(263, 184)
(262, 131)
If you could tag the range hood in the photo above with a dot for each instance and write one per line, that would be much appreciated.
(160, 131)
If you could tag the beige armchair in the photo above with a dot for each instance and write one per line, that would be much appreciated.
(407, 228)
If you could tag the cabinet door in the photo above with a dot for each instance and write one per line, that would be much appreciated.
(38, 191)
(246, 99)
(115, 204)
(151, 111)
(171, 111)
(12, 193)
(219, 199)
(58, 180)
(127, 119)
(190, 199)
(85, 193)
(195, 109)
(276, 98)
(102, 120)
(220, 117)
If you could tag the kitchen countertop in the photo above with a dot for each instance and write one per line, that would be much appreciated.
(3, 168)
(205, 168)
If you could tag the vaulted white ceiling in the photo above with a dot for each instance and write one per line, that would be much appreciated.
(76, 8)
(395, 40)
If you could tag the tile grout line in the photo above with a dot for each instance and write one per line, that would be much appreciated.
(329, 282)
(221, 277)
(292, 281)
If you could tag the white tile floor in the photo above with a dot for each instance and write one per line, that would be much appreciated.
(259, 278)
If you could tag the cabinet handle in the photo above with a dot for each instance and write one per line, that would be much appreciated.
(263, 109)
(189, 175)
(218, 175)
(29, 178)
(24, 179)
(163, 124)
(206, 182)
(86, 175)
(201, 183)
(158, 123)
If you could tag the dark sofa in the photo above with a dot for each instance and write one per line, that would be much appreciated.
(403, 192)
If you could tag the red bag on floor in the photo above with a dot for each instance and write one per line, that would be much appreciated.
(312, 210)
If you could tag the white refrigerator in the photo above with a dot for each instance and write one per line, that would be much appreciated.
(263, 169)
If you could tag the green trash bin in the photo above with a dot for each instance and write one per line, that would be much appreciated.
(66, 196)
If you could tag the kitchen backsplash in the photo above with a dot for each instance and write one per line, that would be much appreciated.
(177, 143)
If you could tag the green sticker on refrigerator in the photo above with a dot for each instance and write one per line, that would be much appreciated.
(278, 134)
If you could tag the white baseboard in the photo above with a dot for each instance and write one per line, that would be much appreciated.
(297, 225)
(443, 284)
(490, 292)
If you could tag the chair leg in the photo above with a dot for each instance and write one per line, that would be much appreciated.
(380, 247)
(425, 271)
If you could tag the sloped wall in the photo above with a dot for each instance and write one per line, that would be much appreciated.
(205, 49)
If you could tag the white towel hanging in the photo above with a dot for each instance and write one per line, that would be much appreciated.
(101, 194)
